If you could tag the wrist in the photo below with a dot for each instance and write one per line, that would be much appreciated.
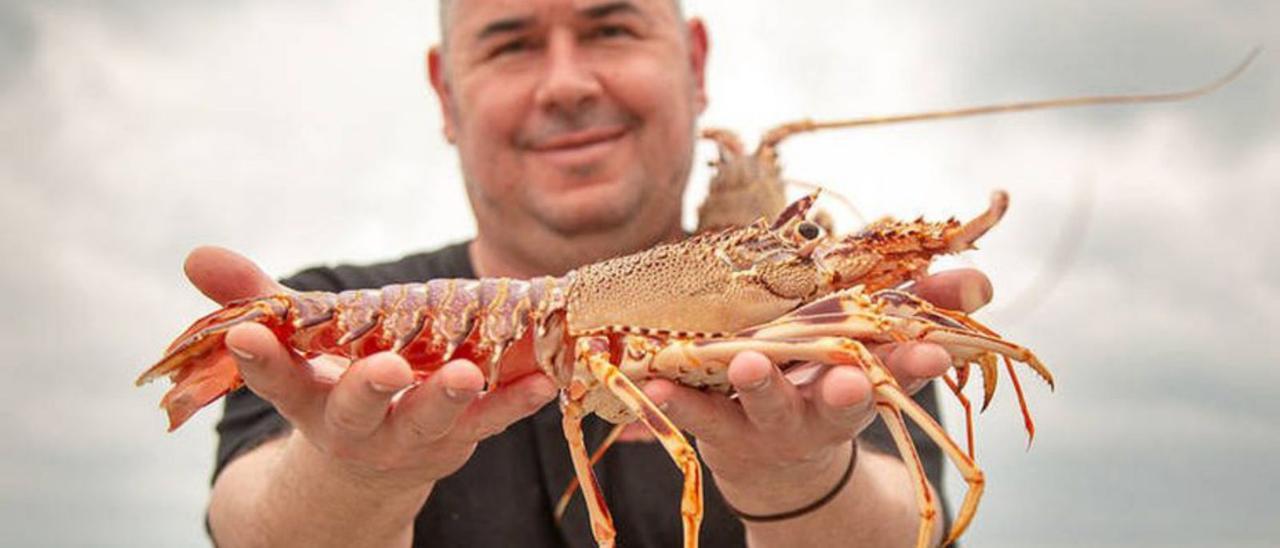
(287, 492)
(303, 460)
(793, 490)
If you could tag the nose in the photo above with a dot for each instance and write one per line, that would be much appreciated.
(568, 83)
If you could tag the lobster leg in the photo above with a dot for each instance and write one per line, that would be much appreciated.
(965, 324)
(887, 389)
(601, 522)
(968, 411)
(853, 314)
(849, 352)
(593, 352)
(892, 417)
(897, 316)
(563, 503)
(965, 320)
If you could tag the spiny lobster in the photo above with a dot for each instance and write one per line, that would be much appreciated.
(787, 289)
(746, 186)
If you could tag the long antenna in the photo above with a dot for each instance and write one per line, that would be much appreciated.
(779, 133)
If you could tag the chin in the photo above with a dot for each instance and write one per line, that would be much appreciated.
(593, 208)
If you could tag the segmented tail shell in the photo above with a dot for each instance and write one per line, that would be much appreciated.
(511, 328)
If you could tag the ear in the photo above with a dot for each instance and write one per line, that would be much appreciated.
(436, 74)
(698, 48)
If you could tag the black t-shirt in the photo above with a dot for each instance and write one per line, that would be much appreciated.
(504, 495)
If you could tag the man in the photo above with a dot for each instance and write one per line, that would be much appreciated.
(574, 121)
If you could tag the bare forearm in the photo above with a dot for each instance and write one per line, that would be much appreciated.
(287, 493)
(877, 507)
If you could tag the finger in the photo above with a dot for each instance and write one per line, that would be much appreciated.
(496, 410)
(223, 275)
(845, 398)
(358, 404)
(964, 289)
(913, 364)
(771, 403)
(274, 373)
(712, 418)
(427, 412)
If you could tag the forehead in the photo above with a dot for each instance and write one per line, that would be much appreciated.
(458, 16)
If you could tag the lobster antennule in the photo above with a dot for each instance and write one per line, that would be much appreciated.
(797, 210)
(963, 238)
(198, 363)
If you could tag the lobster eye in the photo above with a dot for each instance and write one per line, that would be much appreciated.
(808, 230)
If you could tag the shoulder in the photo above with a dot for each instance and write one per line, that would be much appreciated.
(451, 261)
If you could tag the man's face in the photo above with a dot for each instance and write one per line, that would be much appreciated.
(571, 116)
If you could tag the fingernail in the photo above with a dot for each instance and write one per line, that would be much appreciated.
(244, 356)
(458, 395)
(383, 388)
(974, 295)
(758, 384)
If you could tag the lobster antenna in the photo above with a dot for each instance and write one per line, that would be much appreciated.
(776, 135)
(844, 200)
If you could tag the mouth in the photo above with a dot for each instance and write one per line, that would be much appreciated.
(579, 147)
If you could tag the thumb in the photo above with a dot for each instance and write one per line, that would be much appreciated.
(224, 275)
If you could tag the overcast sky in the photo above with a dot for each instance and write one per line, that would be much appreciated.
(1140, 257)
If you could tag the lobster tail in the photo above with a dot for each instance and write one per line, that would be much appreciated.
(198, 363)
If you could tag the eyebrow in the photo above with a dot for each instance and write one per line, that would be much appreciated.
(504, 26)
(604, 10)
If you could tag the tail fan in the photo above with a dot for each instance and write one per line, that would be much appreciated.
(198, 363)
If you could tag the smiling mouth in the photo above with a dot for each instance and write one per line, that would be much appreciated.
(579, 149)
(579, 139)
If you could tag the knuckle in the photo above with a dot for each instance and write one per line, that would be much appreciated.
(344, 418)
(771, 419)
(488, 429)
(383, 462)
(342, 451)
(710, 422)
(273, 392)
(424, 431)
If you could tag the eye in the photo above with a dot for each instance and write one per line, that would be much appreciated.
(611, 31)
(513, 46)
(809, 230)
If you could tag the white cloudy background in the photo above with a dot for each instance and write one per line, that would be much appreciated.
(1141, 256)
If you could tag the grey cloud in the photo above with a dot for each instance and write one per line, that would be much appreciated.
(17, 38)
(171, 134)
(1059, 48)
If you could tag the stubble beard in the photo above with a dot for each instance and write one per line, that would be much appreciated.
(620, 218)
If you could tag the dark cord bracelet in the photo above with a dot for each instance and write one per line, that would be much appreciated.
(848, 472)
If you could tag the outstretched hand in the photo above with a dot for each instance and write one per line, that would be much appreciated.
(781, 446)
(371, 418)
